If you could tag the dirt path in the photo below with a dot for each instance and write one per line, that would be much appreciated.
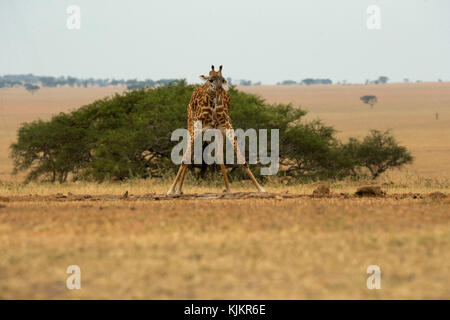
(220, 196)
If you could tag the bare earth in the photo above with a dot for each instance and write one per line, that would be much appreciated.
(287, 244)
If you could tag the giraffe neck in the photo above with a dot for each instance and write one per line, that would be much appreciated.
(215, 98)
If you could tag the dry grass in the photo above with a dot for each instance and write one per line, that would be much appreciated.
(414, 184)
(246, 249)
(238, 249)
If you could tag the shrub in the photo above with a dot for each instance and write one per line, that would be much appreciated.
(378, 152)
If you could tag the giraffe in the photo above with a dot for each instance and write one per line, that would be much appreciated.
(210, 107)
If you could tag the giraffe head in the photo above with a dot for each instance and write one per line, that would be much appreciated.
(215, 80)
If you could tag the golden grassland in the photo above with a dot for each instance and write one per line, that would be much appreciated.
(304, 248)
(408, 109)
(240, 249)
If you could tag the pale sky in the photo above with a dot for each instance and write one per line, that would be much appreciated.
(260, 40)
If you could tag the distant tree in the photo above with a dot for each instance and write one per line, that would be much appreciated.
(288, 82)
(48, 81)
(377, 152)
(405, 80)
(149, 82)
(31, 87)
(115, 82)
(370, 100)
(309, 81)
(135, 85)
(244, 82)
(383, 79)
(61, 81)
(166, 82)
(71, 81)
(229, 81)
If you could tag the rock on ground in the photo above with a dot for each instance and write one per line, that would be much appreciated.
(370, 191)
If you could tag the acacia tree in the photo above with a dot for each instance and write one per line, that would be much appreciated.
(31, 87)
(383, 79)
(370, 100)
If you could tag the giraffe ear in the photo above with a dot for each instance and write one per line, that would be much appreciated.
(204, 77)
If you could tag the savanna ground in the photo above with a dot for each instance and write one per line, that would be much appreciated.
(275, 248)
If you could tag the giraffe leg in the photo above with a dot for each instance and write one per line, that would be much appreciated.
(252, 177)
(231, 136)
(183, 174)
(225, 178)
(182, 170)
(222, 166)
(177, 177)
(193, 133)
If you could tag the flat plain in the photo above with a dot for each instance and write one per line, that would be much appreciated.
(274, 248)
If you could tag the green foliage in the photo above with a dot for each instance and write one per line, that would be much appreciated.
(51, 149)
(377, 152)
(128, 135)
